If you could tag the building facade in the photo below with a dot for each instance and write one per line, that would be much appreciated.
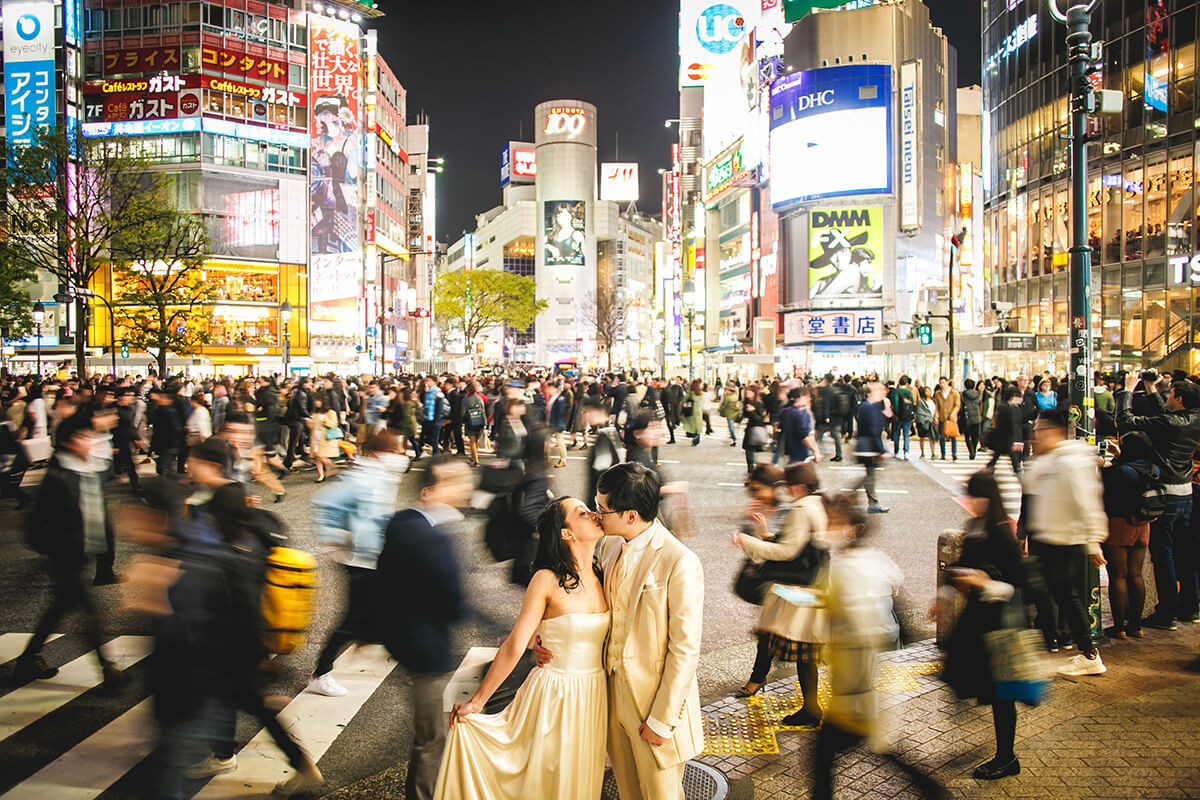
(1141, 211)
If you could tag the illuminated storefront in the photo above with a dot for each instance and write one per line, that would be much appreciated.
(1141, 190)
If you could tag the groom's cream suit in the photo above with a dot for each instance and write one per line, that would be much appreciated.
(655, 590)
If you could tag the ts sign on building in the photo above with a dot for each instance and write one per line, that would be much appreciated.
(710, 35)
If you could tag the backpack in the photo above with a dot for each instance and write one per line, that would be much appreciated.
(475, 414)
(443, 406)
(840, 403)
(1146, 498)
(905, 407)
(288, 598)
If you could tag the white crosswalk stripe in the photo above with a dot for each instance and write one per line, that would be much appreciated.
(1010, 484)
(107, 752)
(13, 644)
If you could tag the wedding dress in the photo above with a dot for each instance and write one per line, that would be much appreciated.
(550, 741)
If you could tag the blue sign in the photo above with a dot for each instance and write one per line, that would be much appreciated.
(505, 165)
(29, 77)
(1156, 93)
(72, 13)
(831, 133)
(720, 28)
(238, 130)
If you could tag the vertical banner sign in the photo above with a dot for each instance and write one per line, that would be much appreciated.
(910, 182)
(335, 276)
(29, 82)
(755, 254)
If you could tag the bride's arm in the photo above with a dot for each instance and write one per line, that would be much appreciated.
(533, 608)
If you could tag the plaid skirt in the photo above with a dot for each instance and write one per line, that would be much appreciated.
(786, 650)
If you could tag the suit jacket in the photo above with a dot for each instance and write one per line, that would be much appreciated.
(662, 648)
(418, 594)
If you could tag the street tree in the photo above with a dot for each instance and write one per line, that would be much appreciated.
(16, 307)
(481, 299)
(445, 326)
(158, 270)
(68, 199)
(607, 314)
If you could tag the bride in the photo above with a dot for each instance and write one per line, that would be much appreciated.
(550, 741)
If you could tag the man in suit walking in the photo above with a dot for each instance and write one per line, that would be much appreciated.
(418, 596)
(655, 590)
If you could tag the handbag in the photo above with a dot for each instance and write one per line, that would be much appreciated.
(334, 433)
(757, 436)
(750, 585)
(1018, 671)
(950, 429)
(37, 448)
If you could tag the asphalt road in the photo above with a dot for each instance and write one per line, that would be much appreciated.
(366, 758)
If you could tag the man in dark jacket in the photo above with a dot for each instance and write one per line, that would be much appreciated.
(839, 410)
(299, 410)
(123, 436)
(672, 403)
(1008, 434)
(70, 525)
(419, 595)
(166, 440)
(1175, 432)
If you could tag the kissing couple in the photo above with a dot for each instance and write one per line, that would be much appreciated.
(617, 609)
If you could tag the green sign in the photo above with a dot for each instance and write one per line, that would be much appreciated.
(925, 333)
(795, 10)
(726, 171)
(124, 351)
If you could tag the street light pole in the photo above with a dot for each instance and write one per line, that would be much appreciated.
(39, 313)
(1083, 102)
(285, 313)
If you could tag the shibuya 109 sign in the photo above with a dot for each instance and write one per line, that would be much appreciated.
(566, 121)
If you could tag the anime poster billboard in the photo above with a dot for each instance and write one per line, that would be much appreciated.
(845, 254)
(335, 159)
(566, 239)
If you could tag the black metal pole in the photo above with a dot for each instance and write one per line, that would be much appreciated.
(1079, 40)
(950, 316)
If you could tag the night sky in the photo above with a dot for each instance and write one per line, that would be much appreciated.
(479, 68)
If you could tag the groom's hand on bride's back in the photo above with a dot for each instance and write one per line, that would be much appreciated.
(541, 656)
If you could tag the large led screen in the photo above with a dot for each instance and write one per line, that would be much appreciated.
(565, 233)
(831, 133)
(845, 254)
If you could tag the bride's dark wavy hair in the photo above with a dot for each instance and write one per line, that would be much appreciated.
(552, 552)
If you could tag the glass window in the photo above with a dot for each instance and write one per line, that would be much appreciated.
(1155, 346)
(1131, 320)
(1179, 306)
(237, 106)
(1095, 220)
(190, 58)
(1184, 86)
(1022, 243)
(297, 75)
(1156, 207)
(299, 34)
(1134, 214)
(191, 13)
(1181, 205)
(1035, 235)
(133, 18)
(1111, 330)
(1060, 318)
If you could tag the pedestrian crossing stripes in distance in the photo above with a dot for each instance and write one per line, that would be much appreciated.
(109, 739)
(962, 470)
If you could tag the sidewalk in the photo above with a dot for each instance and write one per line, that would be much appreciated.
(1130, 733)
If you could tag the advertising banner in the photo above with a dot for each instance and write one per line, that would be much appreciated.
(831, 133)
(335, 275)
(518, 163)
(910, 122)
(849, 325)
(845, 254)
(29, 78)
(566, 241)
(710, 35)
(619, 182)
(134, 60)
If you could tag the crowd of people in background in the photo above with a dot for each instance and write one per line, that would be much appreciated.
(809, 564)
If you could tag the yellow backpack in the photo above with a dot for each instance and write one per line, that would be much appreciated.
(288, 598)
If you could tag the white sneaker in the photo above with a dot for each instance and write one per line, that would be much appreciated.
(326, 685)
(212, 766)
(1082, 665)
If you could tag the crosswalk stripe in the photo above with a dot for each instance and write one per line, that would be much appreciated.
(22, 706)
(86, 770)
(13, 644)
(313, 720)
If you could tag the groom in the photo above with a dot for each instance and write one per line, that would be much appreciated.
(655, 590)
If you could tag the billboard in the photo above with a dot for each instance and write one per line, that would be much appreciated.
(29, 78)
(711, 35)
(619, 182)
(845, 254)
(910, 121)
(831, 133)
(518, 163)
(843, 325)
(335, 74)
(566, 241)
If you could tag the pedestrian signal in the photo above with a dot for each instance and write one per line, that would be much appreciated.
(925, 333)
(124, 351)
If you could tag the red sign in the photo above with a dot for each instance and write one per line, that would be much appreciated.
(248, 66)
(524, 162)
(189, 104)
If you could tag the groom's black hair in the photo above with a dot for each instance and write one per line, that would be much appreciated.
(631, 487)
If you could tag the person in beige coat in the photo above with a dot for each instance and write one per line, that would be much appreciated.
(655, 591)
(948, 403)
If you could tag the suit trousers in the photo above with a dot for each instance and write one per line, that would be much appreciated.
(429, 735)
(637, 772)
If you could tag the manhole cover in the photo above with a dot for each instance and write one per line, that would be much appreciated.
(700, 782)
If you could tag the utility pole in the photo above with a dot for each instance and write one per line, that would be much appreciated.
(1083, 102)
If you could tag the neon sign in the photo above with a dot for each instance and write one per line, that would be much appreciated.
(568, 121)
(1022, 35)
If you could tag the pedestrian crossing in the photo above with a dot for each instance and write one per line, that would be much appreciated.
(107, 741)
(960, 471)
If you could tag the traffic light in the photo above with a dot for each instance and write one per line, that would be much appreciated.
(124, 350)
(925, 333)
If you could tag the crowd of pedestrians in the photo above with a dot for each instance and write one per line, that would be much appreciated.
(826, 594)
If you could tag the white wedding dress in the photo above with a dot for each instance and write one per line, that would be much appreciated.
(550, 741)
